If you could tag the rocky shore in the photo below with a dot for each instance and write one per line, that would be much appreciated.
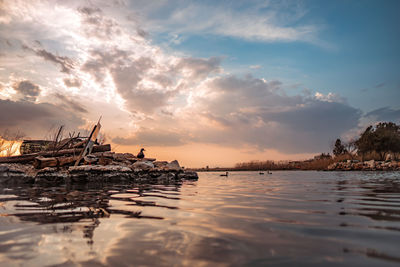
(98, 167)
(371, 165)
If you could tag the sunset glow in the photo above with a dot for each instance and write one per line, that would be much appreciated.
(253, 80)
(9, 148)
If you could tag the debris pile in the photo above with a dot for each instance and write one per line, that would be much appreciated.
(76, 159)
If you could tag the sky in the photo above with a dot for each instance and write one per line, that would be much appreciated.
(204, 82)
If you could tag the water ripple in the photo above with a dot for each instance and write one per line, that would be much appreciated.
(287, 218)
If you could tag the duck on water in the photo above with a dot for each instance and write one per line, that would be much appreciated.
(226, 174)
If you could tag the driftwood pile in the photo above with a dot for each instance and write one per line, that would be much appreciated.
(83, 160)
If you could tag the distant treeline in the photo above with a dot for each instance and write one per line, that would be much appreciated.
(379, 142)
(320, 162)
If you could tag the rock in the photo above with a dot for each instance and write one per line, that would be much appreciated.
(98, 173)
(109, 171)
(16, 169)
(370, 164)
(160, 164)
(13, 173)
(98, 168)
(142, 165)
(188, 175)
(173, 166)
(51, 175)
(168, 176)
(104, 161)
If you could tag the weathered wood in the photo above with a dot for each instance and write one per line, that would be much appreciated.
(35, 146)
(30, 157)
(42, 162)
(90, 142)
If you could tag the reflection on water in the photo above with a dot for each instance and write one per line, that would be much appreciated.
(287, 218)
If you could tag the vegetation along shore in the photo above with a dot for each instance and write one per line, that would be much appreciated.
(376, 148)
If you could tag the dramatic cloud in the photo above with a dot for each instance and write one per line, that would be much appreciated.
(38, 119)
(154, 137)
(103, 63)
(236, 112)
(27, 90)
(70, 104)
(384, 114)
(65, 63)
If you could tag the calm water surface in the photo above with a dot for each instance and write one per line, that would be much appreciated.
(245, 219)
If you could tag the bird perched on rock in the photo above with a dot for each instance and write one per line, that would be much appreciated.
(140, 155)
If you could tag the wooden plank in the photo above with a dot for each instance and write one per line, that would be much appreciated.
(42, 162)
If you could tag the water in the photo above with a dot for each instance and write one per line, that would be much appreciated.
(245, 219)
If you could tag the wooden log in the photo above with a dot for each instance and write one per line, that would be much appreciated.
(35, 146)
(42, 162)
(30, 157)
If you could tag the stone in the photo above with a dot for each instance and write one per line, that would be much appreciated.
(188, 175)
(51, 175)
(370, 163)
(160, 164)
(104, 161)
(173, 166)
(142, 165)
(98, 168)
(98, 173)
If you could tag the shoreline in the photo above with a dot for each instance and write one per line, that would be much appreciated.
(349, 165)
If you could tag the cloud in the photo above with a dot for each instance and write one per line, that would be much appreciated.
(380, 85)
(27, 90)
(97, 25)
(255, 67)
(70, 104)
(161, 98)
(153, 137)
(245, 111)
(65, 63)
(255, 21)
(200, 68)
(100, 62)
(139, 97)
(330, 97)
(256, 112)
(35, 119)
(72, 82)
(384, 114)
